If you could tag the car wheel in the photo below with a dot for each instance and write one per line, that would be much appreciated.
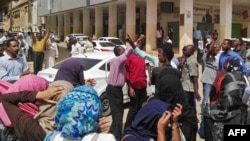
(105, 103)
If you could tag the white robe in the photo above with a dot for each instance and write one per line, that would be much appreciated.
(51, 53)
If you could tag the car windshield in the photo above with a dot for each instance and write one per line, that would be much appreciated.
(107, 44)
(82, 38)
(116, 41)
(87, 63)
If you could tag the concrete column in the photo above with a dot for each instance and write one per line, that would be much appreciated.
(76, 18)
(60, 26)
(66, 19)
(53, 24)
(248, 29)
(186, 24)
(151, 22)
(98, 22)
(48, 23)
(112, 31)
(130, 17)
(225, 30)
(86, 22)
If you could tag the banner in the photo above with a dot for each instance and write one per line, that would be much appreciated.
(202, 13)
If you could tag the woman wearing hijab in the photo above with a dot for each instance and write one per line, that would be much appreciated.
(77, 117)
(172, 92)
(71, 70)
(26, 127)
(51, 52)
(147, 123)
(29, 82)
(226, 106)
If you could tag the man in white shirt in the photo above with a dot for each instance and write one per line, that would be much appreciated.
(76, 47)
(2, 39)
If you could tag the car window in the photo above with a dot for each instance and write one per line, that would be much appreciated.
(87, 63)
(107, 44)
(116, 41)
(103, 67)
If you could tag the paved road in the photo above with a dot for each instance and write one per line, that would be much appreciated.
(64, 53)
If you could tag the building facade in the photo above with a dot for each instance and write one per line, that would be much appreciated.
(105, 17)
(20, 15)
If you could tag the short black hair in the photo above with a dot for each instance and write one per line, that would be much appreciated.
(229, 42)
(116, 50)
(9, 41)
(167, 51)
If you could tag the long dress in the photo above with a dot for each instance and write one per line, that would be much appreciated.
(51, 53)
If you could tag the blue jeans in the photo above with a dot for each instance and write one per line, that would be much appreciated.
(248, 73)
(206, 91)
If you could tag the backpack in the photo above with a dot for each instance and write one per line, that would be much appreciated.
(226, 97)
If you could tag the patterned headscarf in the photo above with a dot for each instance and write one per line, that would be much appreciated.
(77, 114)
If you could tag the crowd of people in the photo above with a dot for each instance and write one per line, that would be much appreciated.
(69, 108)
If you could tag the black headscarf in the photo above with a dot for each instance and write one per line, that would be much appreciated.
(171, 91)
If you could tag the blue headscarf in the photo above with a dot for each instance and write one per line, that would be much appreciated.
(144, 125)
(77, 114)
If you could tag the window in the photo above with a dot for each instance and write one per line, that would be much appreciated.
(104, 66)
(87, 63)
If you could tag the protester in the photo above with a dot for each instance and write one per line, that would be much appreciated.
(30, 50)
(12, 67)
(88, 46)
(71, 70)
(239, 49)
(136, 79)
(23, 47)
(227, 52)
(189, 77)
(149, 123)
(77, 117)
(226, 103)
(1, 50)
(76, 48)
(172, 92)
(27, 128)
(38, 50)
(116, 81)
(208, 78)
(51, 53)
(29, 82)
(4, 37)
(159, 36)
(165, 54)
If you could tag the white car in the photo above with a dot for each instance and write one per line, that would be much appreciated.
(96, 66)
(115, 40)
(103, 45)
(82, 39)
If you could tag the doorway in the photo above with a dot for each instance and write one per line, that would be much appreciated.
(175, 27)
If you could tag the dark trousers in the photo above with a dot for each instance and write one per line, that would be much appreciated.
(189, 131)
(115, 97)
(191, 99)
(135, 104)
(30, 54)
(38, 61)
(159, 42)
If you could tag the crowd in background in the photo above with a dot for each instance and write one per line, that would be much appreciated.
(70, 109)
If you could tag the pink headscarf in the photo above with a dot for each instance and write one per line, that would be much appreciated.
(29, 82)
